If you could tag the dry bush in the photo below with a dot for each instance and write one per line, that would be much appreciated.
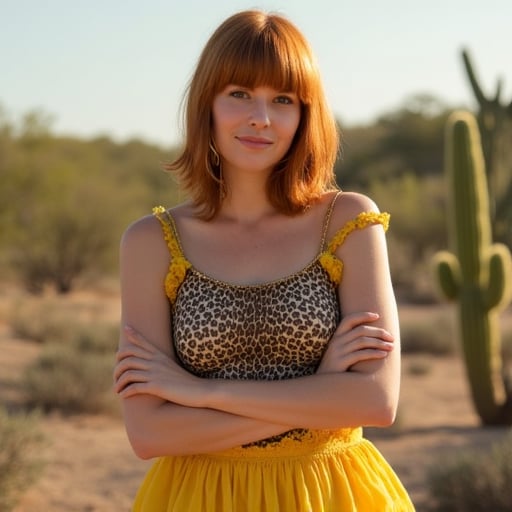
(56, 321)
(43, 321)
(474, 481)
(65, 379)
(20, 462)
(98, 338)
(434, 335)
(419, 367)
(75, 377)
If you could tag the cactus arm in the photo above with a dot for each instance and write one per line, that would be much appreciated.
(477, 90)
(499, 87)
(499, 292)
(448, 274)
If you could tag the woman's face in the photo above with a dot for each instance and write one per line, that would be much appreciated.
(254, 128)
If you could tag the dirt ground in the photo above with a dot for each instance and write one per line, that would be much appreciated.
(91, 468)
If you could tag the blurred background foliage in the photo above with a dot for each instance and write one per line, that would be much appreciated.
(64, 202)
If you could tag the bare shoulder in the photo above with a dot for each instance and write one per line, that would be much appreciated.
(184, 210)
(146, 230)
(348, 206)
(143, 245)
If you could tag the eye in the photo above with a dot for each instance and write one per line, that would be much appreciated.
(238, 94)
(284, 100)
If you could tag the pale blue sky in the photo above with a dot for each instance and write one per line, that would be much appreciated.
(119, 67)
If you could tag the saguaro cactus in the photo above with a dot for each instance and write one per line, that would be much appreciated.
(495, 123)
(477, 273)
(493, 112)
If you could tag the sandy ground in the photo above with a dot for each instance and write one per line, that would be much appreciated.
(91, 468)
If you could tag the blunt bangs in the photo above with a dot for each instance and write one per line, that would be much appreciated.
(271, 54)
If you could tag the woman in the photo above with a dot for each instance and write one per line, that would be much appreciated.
(274, 289)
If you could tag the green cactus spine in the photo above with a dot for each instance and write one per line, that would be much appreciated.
(477, 273)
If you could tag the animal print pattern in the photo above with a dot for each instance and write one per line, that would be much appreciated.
(272, 331)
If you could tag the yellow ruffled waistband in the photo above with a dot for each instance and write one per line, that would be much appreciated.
(303, 443)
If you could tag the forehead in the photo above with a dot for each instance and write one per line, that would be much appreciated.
(260, 63)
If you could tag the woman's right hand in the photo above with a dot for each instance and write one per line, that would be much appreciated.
(355, 340)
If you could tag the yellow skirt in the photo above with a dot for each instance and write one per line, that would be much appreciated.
(318, 471)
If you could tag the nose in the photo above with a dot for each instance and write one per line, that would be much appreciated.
(260, 115)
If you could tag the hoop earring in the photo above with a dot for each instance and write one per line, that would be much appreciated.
(216, 157)
(211, 172)
(214, 169)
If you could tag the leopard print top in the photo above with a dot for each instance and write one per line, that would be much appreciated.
(277, 330)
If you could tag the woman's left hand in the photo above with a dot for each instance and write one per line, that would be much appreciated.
(141, 368)
(355, 340)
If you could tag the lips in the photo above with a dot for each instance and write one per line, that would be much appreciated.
(255, 142)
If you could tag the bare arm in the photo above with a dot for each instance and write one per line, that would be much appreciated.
(366, 395)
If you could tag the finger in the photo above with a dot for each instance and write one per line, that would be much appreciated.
(374, 333)
(353, 320)
(130, 350)
(133, 389)
(368, 331)
(128, 378)
(364, 344)
(342, 363)
(129, 363)
(339, 352)
(366, 355)
(363, 331)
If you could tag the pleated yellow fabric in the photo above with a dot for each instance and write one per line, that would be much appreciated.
(322, 471)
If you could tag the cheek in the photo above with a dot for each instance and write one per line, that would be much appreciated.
(218, 125)
(223, 122)
(291, 125)
(220, 133)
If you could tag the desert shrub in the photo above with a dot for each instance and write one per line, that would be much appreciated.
(69, 226)
(52, 321)
(434, 336)
(474, 481)
(20, 462)
(43, 321)
(76, 377)
(419, 367)
(96, 338)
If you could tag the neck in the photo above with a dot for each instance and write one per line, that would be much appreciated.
(246, 198)
(247, 203)
(246, 209)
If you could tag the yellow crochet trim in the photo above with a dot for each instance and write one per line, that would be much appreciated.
(304, 442)
(179, 265)
(333, 265)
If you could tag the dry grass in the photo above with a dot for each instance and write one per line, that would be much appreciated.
(20, 439)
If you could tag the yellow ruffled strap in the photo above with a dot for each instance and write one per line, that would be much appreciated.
(179, 264)
(329, 261)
